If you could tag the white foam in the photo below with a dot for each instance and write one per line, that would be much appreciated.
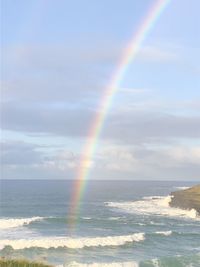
(182, 187)
(141, 224)
(114, 218)
(155, 262)
(153, 197)
(73, 242)
(166, 233)
(13, 223)
(154, 205)
(103, 264)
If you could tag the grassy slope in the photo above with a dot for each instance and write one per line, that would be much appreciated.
(21, 263)
(187, 199)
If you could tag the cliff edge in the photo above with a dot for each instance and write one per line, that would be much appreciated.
(187, 199)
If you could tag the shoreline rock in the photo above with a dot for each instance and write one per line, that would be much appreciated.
(187, 199)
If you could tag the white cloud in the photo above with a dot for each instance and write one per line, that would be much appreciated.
(138, 162)
(130, 91)
(110, 162)
(182, 155)
(117, 158)
(158, 53)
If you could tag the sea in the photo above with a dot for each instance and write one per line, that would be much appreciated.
(119, 224)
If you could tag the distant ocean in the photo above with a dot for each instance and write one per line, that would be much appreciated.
(122, 223)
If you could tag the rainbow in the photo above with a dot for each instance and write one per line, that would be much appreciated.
(97, 125)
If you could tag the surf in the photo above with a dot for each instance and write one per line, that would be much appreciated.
(155, 205)
(17, 222)
(73, 243)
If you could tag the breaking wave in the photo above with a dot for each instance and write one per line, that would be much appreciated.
(154, 206)
(13, 223)
(73, 243)
(182, 187)
(166, 233)
(115, 218)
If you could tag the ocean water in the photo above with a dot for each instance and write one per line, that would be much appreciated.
(121, 223)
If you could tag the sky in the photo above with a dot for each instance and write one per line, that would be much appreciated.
(57, 57)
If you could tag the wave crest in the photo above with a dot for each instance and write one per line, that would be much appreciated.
(166, 233)
(181, 187)
(13, 223)
(73, 243)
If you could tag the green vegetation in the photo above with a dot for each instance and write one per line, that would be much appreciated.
(21, 263)
(187, 199)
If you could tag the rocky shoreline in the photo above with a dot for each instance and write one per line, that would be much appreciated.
(187, 199)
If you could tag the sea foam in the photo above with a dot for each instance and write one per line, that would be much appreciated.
(154, 206)
(13, 223)
(166, 233)
(182, 187)
(73, 243)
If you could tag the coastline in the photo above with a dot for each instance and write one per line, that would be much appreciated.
(187, 199)
(111, 218)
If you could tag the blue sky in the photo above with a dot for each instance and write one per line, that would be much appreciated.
(57, 58)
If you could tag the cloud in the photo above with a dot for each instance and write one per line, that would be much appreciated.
(32, 71)
(184, 155)
(159, 54)
(56, 121)
(38, 72)
(59, 57)
(61, 160)
(131, 91)
(127, 127)
(179, 162)
(22, 160)
(55, 90)
(19, 153)
(151, 127)
(143, 163)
